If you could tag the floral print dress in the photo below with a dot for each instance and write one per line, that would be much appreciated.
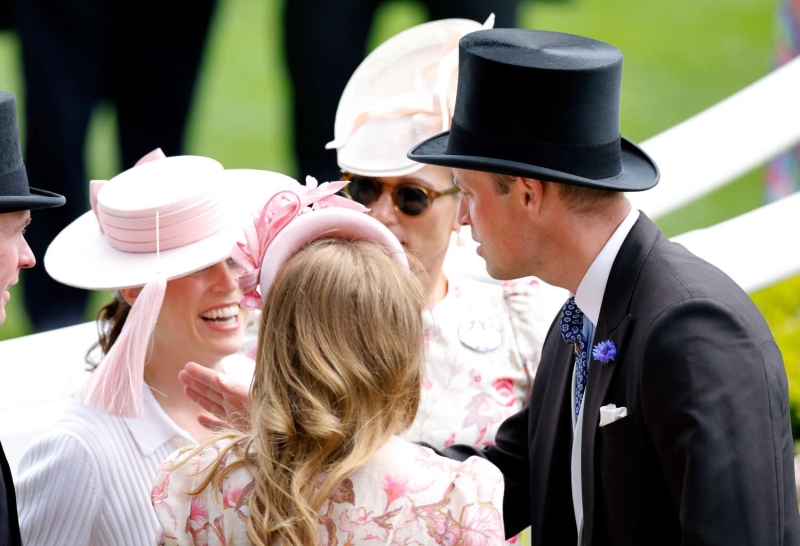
(482, 348)
(404, 495)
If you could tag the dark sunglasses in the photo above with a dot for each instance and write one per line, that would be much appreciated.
(410, 199)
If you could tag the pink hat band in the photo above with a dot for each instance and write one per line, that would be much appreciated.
(172, 230)
(193, 220)
(328, 223)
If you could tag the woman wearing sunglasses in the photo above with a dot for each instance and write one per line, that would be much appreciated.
(482, 341)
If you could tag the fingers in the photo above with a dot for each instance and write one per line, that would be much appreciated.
(211, 422)
(205, 376)
(204, 402)
(189, 381)
(237, 393)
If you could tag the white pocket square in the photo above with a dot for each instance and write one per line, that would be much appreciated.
(611, 413)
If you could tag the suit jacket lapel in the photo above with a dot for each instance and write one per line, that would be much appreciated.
(551, 444)
(614, 324)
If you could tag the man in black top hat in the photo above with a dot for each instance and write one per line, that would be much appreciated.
(659, 413)
(16, 202)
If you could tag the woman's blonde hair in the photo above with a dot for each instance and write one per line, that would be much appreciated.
(337, 374)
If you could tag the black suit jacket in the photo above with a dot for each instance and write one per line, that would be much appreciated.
(9, 525)
(705, 453)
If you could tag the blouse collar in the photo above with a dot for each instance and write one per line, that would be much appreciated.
(154, 428)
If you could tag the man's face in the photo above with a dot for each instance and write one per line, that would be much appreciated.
(15, 254)
(497, 223)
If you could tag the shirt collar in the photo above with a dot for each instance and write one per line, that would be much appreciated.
(153, 428)
(589, 296)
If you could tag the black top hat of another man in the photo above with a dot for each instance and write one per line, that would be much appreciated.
(15, 194)
(541, 105)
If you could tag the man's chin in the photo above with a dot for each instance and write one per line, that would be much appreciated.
(498, 273)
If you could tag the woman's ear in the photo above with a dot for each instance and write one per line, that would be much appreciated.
(130, 294)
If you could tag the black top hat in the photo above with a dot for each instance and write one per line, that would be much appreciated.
(15, 194)
(541, 105)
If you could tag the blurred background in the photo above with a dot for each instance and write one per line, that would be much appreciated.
(681, 57)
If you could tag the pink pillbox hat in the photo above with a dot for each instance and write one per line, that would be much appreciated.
(296, 217)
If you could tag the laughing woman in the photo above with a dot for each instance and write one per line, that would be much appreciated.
(160, 235)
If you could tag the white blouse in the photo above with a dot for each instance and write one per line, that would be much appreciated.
(88, 481)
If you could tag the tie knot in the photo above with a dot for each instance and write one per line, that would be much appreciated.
(571, 322)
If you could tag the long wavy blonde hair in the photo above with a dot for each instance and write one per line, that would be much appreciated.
(337, 374)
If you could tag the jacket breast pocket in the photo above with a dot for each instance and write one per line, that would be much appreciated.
(618, 432)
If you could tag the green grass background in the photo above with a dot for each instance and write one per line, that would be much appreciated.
(681, 56)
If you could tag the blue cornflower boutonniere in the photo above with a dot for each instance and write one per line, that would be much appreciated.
(604, 351)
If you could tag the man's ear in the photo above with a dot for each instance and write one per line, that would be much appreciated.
(531, 193)
(130, 294)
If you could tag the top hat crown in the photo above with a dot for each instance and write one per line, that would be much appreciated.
(15, 194)
(540, 105)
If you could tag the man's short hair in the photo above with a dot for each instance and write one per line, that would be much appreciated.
(578, 199)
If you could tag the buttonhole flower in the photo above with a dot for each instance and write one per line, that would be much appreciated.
(605, 351)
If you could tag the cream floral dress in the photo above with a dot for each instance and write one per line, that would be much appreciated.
(482, 347)
(404, 495)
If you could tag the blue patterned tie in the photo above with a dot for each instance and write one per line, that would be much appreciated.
(572, 332)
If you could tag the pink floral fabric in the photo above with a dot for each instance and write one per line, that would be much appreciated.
(404, 495)
(482, 347)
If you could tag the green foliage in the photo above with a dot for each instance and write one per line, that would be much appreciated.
(780, 305)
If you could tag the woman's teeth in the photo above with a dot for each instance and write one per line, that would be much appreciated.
(222, 315)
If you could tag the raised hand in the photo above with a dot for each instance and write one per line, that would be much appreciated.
(225, 399)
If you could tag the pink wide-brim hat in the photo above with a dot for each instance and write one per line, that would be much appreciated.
(401, 94)
(85, 257)
(162, 219)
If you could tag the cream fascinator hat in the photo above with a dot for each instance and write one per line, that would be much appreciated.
(401, 94)
(294, 218)
(163, 219)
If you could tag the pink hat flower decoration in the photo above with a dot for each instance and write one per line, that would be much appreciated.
(279, 211)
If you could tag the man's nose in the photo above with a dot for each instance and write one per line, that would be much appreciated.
(26, 257)
(462, 213)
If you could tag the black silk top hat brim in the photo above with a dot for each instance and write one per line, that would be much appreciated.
(541, 105)
(15, 194)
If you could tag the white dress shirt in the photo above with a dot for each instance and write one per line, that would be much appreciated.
(88, 481)
(589, 299)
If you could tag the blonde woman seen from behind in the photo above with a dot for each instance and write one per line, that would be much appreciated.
(337, 378)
